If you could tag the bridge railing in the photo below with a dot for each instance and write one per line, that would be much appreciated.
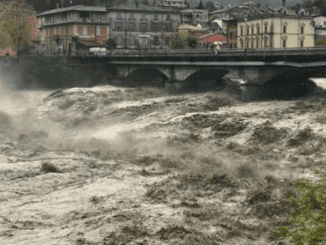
(185, 53)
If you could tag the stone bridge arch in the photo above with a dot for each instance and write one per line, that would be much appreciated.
(145, 76)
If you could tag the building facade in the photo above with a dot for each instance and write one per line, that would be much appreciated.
(58, 26)
(138, 26)
(193, 16)
(320, 30)
(275, 31)
(181, 4)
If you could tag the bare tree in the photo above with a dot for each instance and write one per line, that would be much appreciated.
(14, 27)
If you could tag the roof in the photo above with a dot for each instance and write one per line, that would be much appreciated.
(189, 27)
(210, 38)
(194, 11)
(221, 10)
(74, 8)
(141, 6)
(211, 25)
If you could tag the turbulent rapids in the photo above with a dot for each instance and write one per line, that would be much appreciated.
(113, 165)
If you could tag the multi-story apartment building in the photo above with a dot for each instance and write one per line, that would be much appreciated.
(138, 26)
(58, 26)
(278, 30)
(193, 16)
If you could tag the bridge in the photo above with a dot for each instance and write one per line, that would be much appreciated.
(281, 70)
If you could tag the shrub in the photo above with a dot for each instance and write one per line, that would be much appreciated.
(308, 216)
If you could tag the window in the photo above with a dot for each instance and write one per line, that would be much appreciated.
(80, 30)
(156, 17)
(266, 28)
(284, 43)
(258, 30)
(119, 40)
(284, 29)
(47, 18)
(252, 31)
(85, 30)
(241, 32)
(252, 44)
(156, 40)
(248, 31)
(119, 26)
(302, 29)
(168, 17)
(63, 16)
(230, 34)
(257, 43)
(247, 43)
(265, 42)
(241, 43)
(98, 30)
(131, 41)
(103, 31)
(156, 27)
(324, 23)
(168, 27)
(197, 15)
(302, 13)
(143, 27)
(84, 15)
(301, 43)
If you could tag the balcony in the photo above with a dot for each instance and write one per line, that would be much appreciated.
(73, 20)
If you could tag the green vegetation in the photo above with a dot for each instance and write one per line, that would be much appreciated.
(307, 223)
(14, 28)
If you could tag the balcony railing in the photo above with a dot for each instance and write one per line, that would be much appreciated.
(79, 20)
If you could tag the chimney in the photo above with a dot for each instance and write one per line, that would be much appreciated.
(283, 3)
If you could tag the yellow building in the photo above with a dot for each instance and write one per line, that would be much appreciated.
(282, 29)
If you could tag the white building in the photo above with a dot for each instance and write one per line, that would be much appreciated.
(320, 28)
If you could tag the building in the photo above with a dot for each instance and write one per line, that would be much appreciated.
(221, 13)
(193, 16)
(320, 29)
(282, 29)
(230, 25)
(181, 4)
(138, 26)
(187, 31)
(58, 26)
(212, 26)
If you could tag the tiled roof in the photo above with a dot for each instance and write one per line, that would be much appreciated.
(75, 8)
(141, 7)
(221, 11)
(194, 11)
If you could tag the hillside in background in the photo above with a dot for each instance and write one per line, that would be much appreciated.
(44, 5)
